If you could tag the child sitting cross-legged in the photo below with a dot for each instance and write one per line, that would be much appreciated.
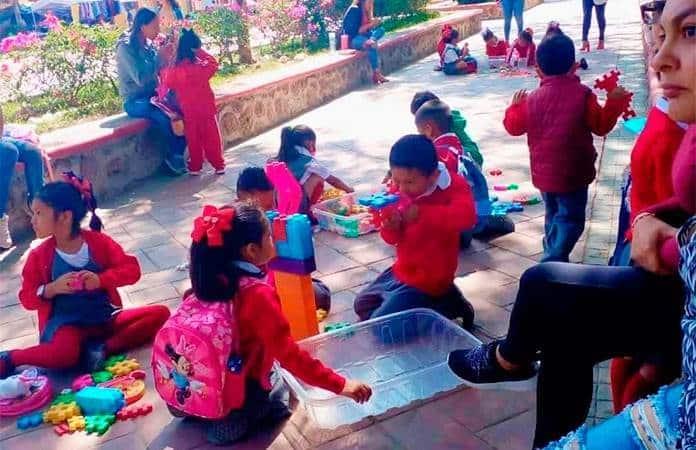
(425, 232)
(456, 61)
(523, 47)
(559, 118)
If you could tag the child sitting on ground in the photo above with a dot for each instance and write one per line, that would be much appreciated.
(456, 61)
(230, 247)
(523, 48)
(435, 208)
(297, 150)
(253, 186)
(559, 119)
(495, 48)
(70, 280)
(189, 79)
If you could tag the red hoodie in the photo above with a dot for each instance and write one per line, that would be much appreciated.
(528, 52)
(449, 150)
(190, 81)
(427, 249)
(499, 49)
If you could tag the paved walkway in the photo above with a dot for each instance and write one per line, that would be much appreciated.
(355, 132)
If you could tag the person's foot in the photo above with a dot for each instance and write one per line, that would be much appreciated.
(495, 226)
(583, 64)
(220, 171)
(6, 366)
(600, 44)
(437, 68)
(95, 356)
(5, 238)
(479, 368)
(585, 46)
(175, 165)
(378, 78)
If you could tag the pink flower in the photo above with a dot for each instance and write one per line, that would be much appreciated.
(297, 12)
(234, 6)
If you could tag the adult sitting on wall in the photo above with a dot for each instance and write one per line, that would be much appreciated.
(138, 64)
(13, 151)
(363, 30)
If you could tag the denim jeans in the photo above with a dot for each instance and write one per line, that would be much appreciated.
(143, 109)
(358, 43)
(512, 8)
(11, 152)
(565, 221)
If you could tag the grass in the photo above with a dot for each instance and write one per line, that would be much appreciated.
(401, 22)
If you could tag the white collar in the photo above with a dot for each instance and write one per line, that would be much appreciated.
(247, 267)
(663, 105)
(303, 151)
(443, 181)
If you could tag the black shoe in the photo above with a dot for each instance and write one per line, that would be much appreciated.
(496, 226)
(478, 368)
(94, 356)
(230, 429)
(583, 64)
(174, 165)
(6, 366)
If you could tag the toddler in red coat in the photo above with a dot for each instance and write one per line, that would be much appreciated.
(70, 280)
(189, 79)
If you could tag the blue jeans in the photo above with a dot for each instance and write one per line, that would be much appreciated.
(11, 152)
(512, 8)
(143, 109)
(565, 221)
(358, 43)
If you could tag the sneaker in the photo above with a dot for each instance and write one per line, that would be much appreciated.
(5, 238)
(220, 171)
(6, 366)
(495, 226)
(194, 173)
(583, 64)
(478, 368)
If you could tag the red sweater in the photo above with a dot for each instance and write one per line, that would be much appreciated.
(119, 269)
(449, 150)
(528, 52)
(190, 81)
(427, 249)
(500, 49)
(559, 118)
(264, 335)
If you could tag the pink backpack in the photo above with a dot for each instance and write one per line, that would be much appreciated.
(196, 362)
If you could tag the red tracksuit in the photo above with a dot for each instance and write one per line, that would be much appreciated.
(449, 149)
(500, 49)
(190, 81)
(128, 329)
(528, 51)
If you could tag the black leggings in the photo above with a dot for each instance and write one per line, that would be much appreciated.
(572, 316)
(587, 6)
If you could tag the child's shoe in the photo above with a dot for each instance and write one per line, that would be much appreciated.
(583, 64)
(220, 171)
(585, 46)
(6, 366)
(600, 45)
(378, 78)
(230, 429)
(194, 173)
(479, 368)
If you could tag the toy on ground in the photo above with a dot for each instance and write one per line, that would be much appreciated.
(25, 392)
(99, 424)
(65, 396)
(134, 411)
(132, 385)
(96, 401)
(526, 199)
(335, 326)
(124, 367)
(61, 412)
(321, 314)
(113, 359)
(635, 125)
(331, 193)
(82, 382)
(502, 208)
(30, 421)
(495, 172)
(292, 268)
(61, 429)
(343, 215)
(608, 82)
(288, 190)
(77, 423)
(102, 376)
(506, 187)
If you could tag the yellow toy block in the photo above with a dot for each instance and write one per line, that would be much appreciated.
(124, 367)
(297, 301)
(61, 412)
(76, 423)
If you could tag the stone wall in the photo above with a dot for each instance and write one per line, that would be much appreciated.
(490, 10)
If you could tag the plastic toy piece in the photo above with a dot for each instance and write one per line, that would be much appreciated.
(132, 385)
(495, 172)
(288, 190)
(500, 187)
(96, 401)
(36, 391)
(61, 412)
(335, 326)
(503, 208)
(99, 424)
(66, 396)
(321, 314)
(294, 266)
(82, 382)
(102, 376)
(124, 367)
(111, 360)
(635, 125)
(61, 429)
(292, 236)
(30, 421)
(134, 411)
(512, 187)
(525, 199)
(609, 81)
(77, 423)
(297, 301)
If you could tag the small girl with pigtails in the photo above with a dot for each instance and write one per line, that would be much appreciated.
(70, 280)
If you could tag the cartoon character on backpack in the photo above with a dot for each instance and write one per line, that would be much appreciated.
(179, 374)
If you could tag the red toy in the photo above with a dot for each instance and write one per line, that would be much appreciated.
(608, 82)
(132, 412)
(62, 429)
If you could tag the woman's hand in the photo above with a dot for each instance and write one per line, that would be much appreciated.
(90, 280)
(358, 391)
(166, 53)
(649, 233)
(65, 284)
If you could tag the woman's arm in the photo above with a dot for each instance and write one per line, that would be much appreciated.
(653, 245)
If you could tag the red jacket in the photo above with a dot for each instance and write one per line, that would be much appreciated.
(427, 249)
(500, 49)
(559, 118)
(190, 81)
(264, 335)
(449, 150)
(528, 52)
(119, 269)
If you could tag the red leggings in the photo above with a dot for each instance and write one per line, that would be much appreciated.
(129, 329)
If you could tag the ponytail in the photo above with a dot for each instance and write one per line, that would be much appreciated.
(291, 137)
(86, 191)
(143, 16)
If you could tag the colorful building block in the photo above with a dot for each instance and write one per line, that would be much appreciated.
(379, 200)
(65, 396)
(292, 236)
(288, 190)
(134, 411)
(335, 326)
(96, 401)
(111, 360)
(495, 172)
(61, 412)
(296, 266)
(132, 385)
(61, 429)
(77, 423)
(102, 376)
(608, 81)
(124, 367)
(99, 424)
(82, 382)
(297, 301)
(30, 421)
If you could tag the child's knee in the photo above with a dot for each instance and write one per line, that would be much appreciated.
(159, 314)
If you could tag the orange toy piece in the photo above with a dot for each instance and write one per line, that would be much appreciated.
(132, 385)
(124, 367)
(61, 412)
(297, 300)
(76, 423)
(134, 411)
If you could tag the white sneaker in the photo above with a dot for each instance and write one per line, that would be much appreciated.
(194, 173)
(220, 172)
(5, 238)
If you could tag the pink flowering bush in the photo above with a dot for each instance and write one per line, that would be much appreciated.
(18, 42)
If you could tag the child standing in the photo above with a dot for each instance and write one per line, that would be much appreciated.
(456, 61)
(559, 118)
(189, 79)
(426, 237)
(523, 47)
(297, 150)
(495, 47)
(70, 279)
(229, 248)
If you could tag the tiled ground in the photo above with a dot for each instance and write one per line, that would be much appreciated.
(355, 133)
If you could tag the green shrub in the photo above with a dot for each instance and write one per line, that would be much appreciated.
(226, 27)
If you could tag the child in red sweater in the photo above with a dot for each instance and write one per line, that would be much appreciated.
(426, 237)
(226, 267)
(189, 79)
(523, 48)
(495, 47)
(70, 280)
(559, 119)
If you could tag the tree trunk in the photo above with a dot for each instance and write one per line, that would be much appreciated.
(243, 40)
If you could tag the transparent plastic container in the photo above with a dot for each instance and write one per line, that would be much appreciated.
(403, 356)
(496, 62)
(349, 226)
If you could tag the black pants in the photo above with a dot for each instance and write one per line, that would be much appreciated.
(572, 316)
(587, 6)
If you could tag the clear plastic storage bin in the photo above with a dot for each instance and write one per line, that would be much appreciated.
(349, 226)
(496, 62)
(403, 356)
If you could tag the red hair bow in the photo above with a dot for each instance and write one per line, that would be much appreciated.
(81, 184)
(212, 223)
(446, 31)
